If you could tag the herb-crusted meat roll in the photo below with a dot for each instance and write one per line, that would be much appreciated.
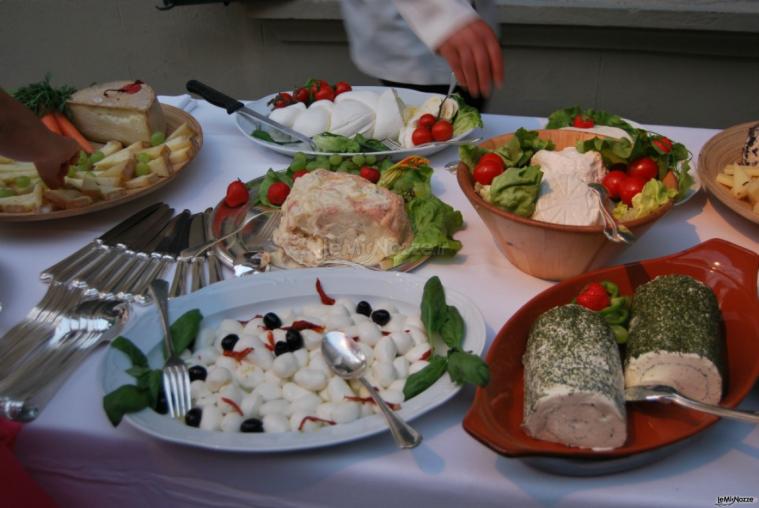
(573, 391)
(676, 338)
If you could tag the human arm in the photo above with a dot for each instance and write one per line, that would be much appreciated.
(454, 30)
(23, 137)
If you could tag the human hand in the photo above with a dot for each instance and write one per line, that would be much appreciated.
(474, 54)
(56, 154)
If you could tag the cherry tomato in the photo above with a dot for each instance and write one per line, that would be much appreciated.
(645, 168)
(492, 157)
(237, 194)
(317, 84)
(302, 95)
(594, 297)
(421, 136)
(664, 144)
(277, 193)
(341, 87)
(427, 121)
(583, 122)
(484, 172)
(612, 181)
(325, 93)
(442, 130)
(281, 100)
(630, 187)
(370, 173)
(299, 173)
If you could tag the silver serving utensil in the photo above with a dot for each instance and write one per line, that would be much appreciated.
(234, 106)
(176, 375)
(662, 393)
(197, 237)
(197, 250)
(347, 360)
(613, 231)
(451, 86)
(182, 238)
(395, 145)
(214, 267)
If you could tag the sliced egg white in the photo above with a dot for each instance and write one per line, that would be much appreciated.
(389, 118)
(312, 122)
(366, 97)
(287, 115)
(350, 117)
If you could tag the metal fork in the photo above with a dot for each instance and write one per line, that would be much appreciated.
(176, 376)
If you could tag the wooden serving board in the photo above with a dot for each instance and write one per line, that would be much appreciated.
(174, 118)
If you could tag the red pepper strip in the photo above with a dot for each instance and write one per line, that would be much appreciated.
(304, 325)
(355, 338)
(233, 404)
(313, 419)
(426, 355)
(386, 333)
(369, 400)
(130, 88)
(238, 355)
(249, 320)
(326, 300)
(270, 339)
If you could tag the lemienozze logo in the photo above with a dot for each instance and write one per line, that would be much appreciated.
(731, 500)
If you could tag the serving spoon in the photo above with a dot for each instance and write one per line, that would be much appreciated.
(662, 393)
(346, 359)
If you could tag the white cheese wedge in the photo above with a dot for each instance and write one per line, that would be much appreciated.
(366, 97)
(692, 375)
(324, 103)
(287, 115)
(389, 117)
(312, 122)
(565, 197)
(350, 117)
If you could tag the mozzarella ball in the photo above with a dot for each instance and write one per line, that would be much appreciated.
(227, 362)
(211, 418)
(397, 385)
(403, 341)
(231, 422)
(254, 326)
(418, 352)
(276, 406)
(279, 335)
(311, 339)
(198, 389)
(228, 326)
(307, 403)
(324, 394)
(292, 391)
(269, 391)
(417, 366)
(324, 410)
(385, 350)
(311, 379)
(262, 357)
(251, 405)
(417, 334)
(338, 322)
(383, 373)
(301, 355)
(368, 352)
(344, 412)
(276, 423)
(401, 365)
(249, 376)
(391, 396)
(338, 389)
(247, 341)
(204, 357)
(231, 392)
(206, 338)
(369, 333)
(396, 323)
(217, 377)
(317, 362)
(285, 365)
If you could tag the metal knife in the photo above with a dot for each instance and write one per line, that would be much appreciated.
(181, 238)
(234, 106)
(214, 268)
(69, 267)
(197, 237)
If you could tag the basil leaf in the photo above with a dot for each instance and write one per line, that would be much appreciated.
(452, 329)
(419, 381)
(467, 368)
(127, 347)
(137, 371)
(185, 329)
(124, 399)
(262, 135)
(433, 305)
(153, 382)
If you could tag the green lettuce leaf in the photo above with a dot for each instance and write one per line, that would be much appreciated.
(517, 190)
(518, 151)
(653, 196)
(407, 180)
(467, 117)
(565, 117)
(334, 143)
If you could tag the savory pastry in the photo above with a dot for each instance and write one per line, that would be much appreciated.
(126, 111)
(341, 216)
(751, 148)
(676, 338)
(565, 197)
(573, 383)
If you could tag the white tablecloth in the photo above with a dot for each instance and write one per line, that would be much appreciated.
(74, 453)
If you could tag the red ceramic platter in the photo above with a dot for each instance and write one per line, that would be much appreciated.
(495, 417)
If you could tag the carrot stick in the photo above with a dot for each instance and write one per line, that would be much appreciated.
(51, 123)
(69, 130)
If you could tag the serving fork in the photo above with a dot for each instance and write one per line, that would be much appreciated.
(662, 393)
(176, 375)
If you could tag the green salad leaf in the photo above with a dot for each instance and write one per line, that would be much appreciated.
(517, 190)
(271, 177)
(419, 381)
(467, 117)
(653, 196)
(408, 179)
(466, 367)
(335, 143)
(518, 151)
(470, 154)
(565, 117)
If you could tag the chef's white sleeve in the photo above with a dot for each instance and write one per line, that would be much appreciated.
(434, 21)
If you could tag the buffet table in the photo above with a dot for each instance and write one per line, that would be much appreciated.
(81, 460)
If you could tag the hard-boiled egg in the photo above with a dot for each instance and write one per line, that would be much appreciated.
(287, 115)
(389, 118)
(312, 122)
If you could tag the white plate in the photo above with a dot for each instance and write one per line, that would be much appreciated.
(244, 297)
(409, 97)
(695, 186)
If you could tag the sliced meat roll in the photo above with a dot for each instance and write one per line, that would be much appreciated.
(573, 381)
(676, 338)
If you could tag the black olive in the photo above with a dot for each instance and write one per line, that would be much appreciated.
(281, 348)
(272, 321)
(162, 405)
(193, 416)
(199, 372)
(252, 425)
(381, 317)
(364, 308)
(228, 342)
(294, 340)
